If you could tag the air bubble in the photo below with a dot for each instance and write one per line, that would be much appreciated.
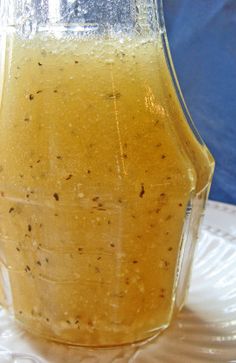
(28, 28)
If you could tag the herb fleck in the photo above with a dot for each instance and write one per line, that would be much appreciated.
(11, 209)
(127, 281)
(167, 264)
(29, 227)
(31, 97)
(95, 199)
(114, 95)
(142, 192)
(90, 323)
(56, 196)
(69, 177)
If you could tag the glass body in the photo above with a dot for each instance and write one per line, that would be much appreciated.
(103, 178)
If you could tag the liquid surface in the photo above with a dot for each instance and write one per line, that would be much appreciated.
(97, 169)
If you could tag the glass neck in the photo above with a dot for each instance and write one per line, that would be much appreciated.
(100, 17)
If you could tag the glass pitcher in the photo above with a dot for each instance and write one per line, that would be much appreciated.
(103, 178)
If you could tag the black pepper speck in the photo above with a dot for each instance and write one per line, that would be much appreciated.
(56, 196)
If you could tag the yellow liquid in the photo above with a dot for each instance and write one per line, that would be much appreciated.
(97, 166)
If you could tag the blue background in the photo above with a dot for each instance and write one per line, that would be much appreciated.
(202, 37)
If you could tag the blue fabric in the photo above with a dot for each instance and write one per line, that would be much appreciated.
(202, 40)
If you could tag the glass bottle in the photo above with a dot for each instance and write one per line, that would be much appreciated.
(103, 178)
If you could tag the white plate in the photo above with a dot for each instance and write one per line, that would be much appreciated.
(205, 330)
